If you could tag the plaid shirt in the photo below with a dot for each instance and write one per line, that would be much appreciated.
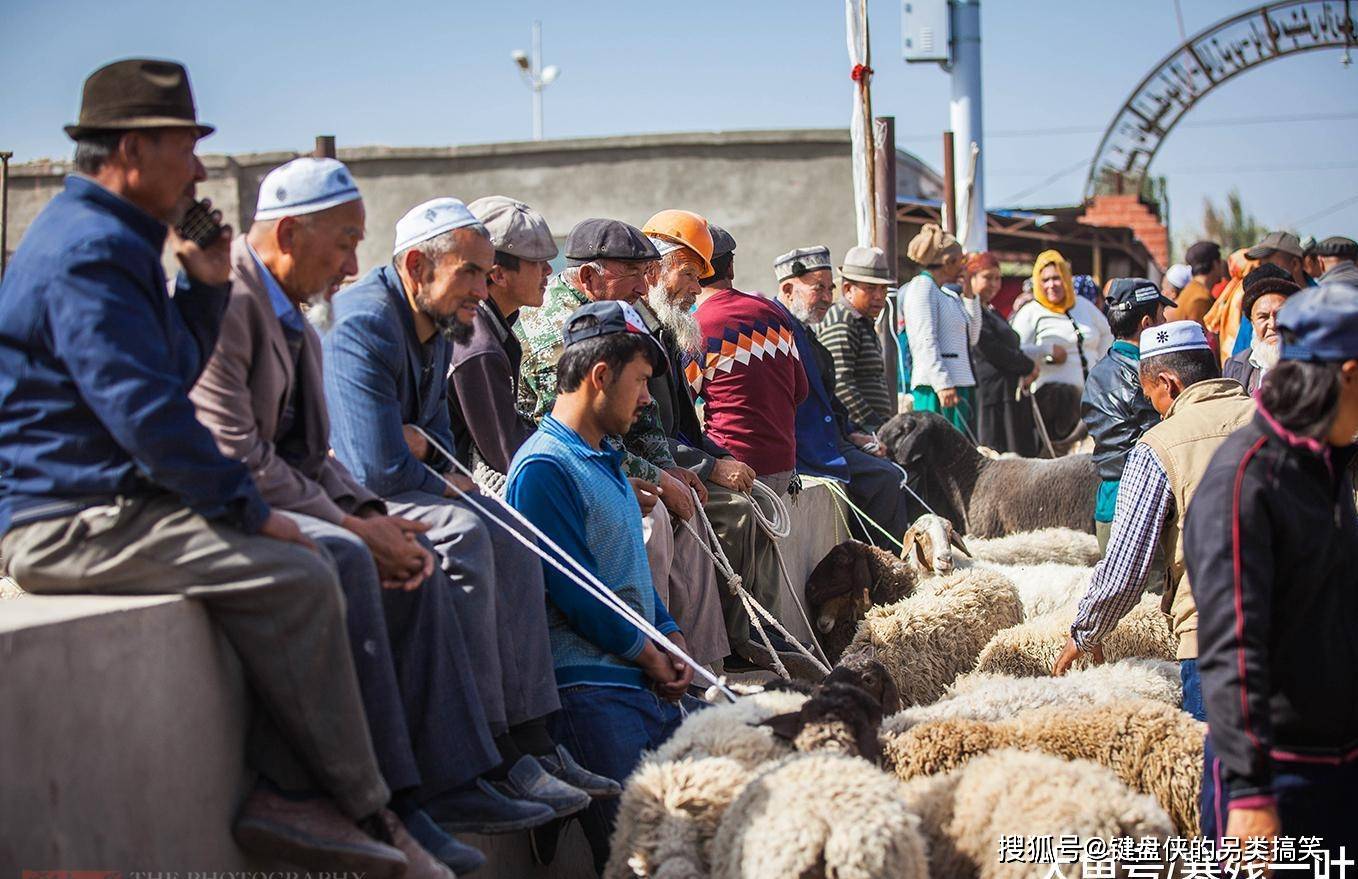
(1144, 503)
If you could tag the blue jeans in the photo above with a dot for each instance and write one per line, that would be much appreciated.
(607, 729)
(1192, 686)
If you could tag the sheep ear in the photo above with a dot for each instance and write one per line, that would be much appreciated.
(909, 540)
(785, 726)
(956, 540)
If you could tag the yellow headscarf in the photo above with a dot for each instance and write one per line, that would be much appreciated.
(1223, 318)
(1053, 258)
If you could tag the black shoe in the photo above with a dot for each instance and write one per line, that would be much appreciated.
(542, 842)
(737, 664)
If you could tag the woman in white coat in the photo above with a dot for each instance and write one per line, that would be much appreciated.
(941, 327)
(1066, 335)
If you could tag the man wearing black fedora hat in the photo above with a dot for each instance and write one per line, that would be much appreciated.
(112, 485)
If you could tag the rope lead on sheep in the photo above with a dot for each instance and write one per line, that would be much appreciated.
(581, 576)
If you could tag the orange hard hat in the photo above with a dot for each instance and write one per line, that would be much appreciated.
(686, 228)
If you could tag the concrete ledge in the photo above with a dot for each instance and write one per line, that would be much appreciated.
(123, 723)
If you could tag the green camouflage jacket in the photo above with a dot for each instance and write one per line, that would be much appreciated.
(539, 329)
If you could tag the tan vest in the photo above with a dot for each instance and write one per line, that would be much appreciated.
(1193, 429)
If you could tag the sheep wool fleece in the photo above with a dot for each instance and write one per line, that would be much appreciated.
(1194, 428)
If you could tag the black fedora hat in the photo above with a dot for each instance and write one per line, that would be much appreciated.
(137, 93)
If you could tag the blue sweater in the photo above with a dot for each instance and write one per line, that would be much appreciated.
(96, 362)
(818, 438)
(579, 497)
(379, 376)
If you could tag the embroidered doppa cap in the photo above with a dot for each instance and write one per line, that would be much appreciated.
(1320, 324)
(796, 263)
(515, 228)
(431, 219)
(305, 186)
(1177, 335)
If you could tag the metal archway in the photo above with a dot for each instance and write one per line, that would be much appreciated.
(1213, 56)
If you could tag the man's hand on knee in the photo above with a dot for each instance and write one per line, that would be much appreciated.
(675, 495)
(401, 561)
(415, 441)
(648, 493)
(732, 474)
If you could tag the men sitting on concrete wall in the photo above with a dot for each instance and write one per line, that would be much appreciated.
(829, 443)
(610, 261)
(484, 379)
(569, 482)
(386, 369)
(849, 332)
(112, 486)
(262, 396)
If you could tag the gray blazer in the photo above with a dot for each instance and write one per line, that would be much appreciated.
(242, 392)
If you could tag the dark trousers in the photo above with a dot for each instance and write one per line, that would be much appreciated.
(607, 729)
(428, 728)
(875, 486)
(1314, 799)
(1192, 687)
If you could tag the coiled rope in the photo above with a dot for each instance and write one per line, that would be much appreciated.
(581, 576)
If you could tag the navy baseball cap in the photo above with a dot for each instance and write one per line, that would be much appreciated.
(1320, 325)
(597, 238)
(595, 319)
(1128, 293)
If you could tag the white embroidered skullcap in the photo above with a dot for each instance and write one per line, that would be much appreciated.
(305, 186)
(1177, 335)
(431, 219)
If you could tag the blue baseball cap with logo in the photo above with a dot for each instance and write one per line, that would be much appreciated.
(595, 319)
(1320, 325)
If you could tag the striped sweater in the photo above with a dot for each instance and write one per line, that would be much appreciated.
(860, 372)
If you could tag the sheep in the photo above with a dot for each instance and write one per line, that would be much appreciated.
(998, 697)
(1031, 649)
(933, 539)
(820, 815)
(844, 713)
(985, 497)
(1154, 748)
(964, 812)
(928, 639)
(732, 730)
(850, 579)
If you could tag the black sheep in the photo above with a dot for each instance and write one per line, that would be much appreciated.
(984, 496)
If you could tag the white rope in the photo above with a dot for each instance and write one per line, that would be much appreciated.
(581, 576)
(712, 547)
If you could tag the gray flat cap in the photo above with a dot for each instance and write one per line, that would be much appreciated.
(607, 239)
(722, 241)
(867, 265)
(796, 263)
(514, 227)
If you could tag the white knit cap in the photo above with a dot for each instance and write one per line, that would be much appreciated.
(1177, 335)
(305, 186)
(1178, 276)
(431, 219)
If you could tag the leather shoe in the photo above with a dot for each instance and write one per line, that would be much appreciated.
(312, 833)
(529, 781)
(562, 765)
(481, 808)
(459, 856)
(420, 864)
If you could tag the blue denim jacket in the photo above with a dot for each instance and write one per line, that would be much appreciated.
(96, 362)
(378, 377)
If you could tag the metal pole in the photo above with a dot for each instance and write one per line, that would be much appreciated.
(4, 210)
(966, 113)
(537, 80)
(949, 185)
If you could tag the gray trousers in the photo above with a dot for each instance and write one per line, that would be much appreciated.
(751, 553)
(414, 674)
(500, 601)
(278, 604)
(686, 579)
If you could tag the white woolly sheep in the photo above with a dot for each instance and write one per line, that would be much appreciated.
(819, 815)
(1000, 697)
(964, 812)
(1154, 748)
(933, 540)
(732, 730)
(933, 636)
(1031, 649)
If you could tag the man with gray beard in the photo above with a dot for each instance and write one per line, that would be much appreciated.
(673, 286)
(1266, 288)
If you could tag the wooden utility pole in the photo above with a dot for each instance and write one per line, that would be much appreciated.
(949, 185)
(884, 237)
(325, 146)
(865, 93)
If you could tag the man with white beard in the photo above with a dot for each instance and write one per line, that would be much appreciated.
(1266, 289)
(692, 252)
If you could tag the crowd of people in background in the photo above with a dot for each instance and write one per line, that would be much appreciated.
(451, 513)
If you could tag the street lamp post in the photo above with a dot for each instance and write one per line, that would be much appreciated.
(537, 76)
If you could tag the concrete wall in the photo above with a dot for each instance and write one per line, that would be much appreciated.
(772, 190)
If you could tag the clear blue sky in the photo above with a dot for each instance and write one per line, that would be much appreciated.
(272, 75)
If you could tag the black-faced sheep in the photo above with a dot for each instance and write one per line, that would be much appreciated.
(1154, 748)
(844, 712)
(851, 578)
(963, 813)
(986, 497)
